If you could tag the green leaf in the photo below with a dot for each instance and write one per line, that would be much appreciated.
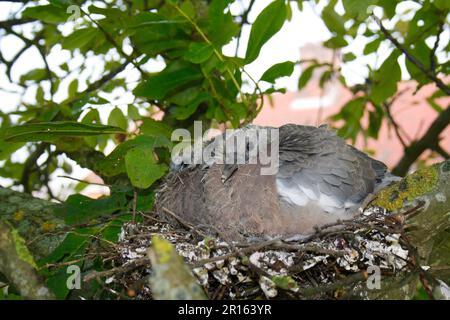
(57, 283)
(73, 88)
(219, 20)
(71, 248)
(285, 282)
(389, 7)
(73, 243)
(349, 56)
(80, 209)
(325, 77)
(289, 12)
(113, 228)
(145, 201)
(333, 21)
(7, 148)
(79, 38)
(168, 81)
(133, 112)
(335, 42)
(34, 75)
(421, 25)
(375, 121)
(372, 46)
(184, 112)
(238, 112)
(267, 24)
(199, 52)
(114, 163)
(273, 90)
(49, 131)
(60, 3)
(351, 113)
(185, 96)
(153, 34)
(422, 53)
(46, 13)
(283, 69)
(113, 13)
(431, 101)
(97, 100)
(305, 76)
(92, 116)
(385, 79)
(155, 128)
(442, 4)
(21, 248)
(117, 119)
(142, 168)
(358, 8)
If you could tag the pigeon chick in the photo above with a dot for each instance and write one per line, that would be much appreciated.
(319, 179)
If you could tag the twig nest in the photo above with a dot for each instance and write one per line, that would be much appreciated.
(306, 267)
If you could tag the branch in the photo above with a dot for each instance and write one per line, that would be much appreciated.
(17, 266)
(116, 45)
(33, 218)
(429, 73)
(241, 24)
(444, 154)
(429, 141)
(435, 47)
(14, 22)
(107, 77)
(30, 164)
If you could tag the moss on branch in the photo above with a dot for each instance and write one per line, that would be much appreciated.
(17, 265)
(33, 218)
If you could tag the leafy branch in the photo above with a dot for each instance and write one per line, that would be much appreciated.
(216, 52)
(428, 72)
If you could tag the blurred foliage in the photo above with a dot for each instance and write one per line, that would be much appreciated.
(196, 82)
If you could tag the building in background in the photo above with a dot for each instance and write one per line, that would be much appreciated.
(314, 105)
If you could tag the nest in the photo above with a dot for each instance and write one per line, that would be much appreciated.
(334, 262)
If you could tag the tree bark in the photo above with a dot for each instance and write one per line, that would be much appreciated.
(428, 230)
(18, 266)
(35, 220)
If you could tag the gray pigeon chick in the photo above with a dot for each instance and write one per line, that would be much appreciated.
(319, 179)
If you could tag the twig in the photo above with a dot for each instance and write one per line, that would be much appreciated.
(114, 43)
(435, 47)
(241, 24)
(134, 206)
(118, 270)
(444, 154)
(428, 141)
(351, 279)
(14, 22)
(216, 52)
(397, 129)
(183, 222)
(427, 72)
(269, 244)
(84, 181)
(30, 164)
